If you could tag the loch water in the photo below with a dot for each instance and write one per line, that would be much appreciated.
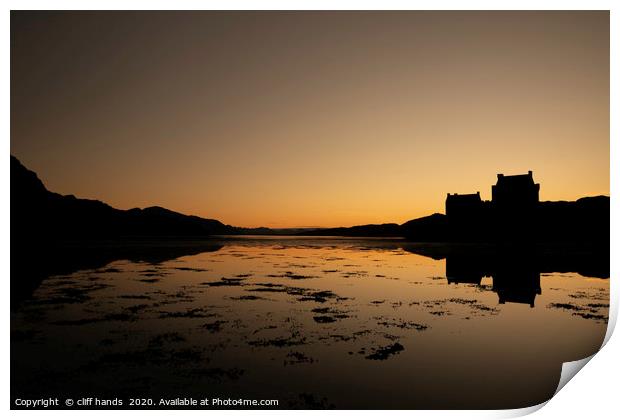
(311, 322)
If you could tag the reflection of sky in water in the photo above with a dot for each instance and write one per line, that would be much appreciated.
(333, 325)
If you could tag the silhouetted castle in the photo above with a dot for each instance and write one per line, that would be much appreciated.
(511, 212)
(463, 205)
(511, 194)
(515, 192)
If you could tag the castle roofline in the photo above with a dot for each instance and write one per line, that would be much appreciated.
(471, 195)
(529, 174)
(514, 180)
(464, 198)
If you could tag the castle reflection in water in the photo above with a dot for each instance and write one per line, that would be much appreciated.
(515, 269)
(514, 280)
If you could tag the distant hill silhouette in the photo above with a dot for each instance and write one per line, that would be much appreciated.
(384, 230)
(37, 213)
(429, 228)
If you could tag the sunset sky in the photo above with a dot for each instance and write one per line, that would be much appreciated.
(309, 119)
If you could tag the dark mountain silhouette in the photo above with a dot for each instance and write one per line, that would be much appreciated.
(38, 214)
(427, 229)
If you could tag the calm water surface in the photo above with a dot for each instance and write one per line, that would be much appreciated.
(315, 323)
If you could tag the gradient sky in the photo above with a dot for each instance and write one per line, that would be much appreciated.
(309, 119)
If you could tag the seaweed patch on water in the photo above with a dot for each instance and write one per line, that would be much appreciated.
(338, 337)
(198, 270)
(190, 313)
(291, 275)
(324, 310)
(177, 297)
(321, 296)
(125, 317)
(484, 308)
(382, 353)
(303, 293)
(358, 273)
(293, 340)
(463, 301)
(134, 309)
(296, 357)
(293, 265)
(402, 324)
(268, 327)
(149, 280)
(588, 311)
(108, 270)
(225, 281)
(247, 297)
(275, 288)
(438, 306)
(597, 305)
(324, 319)
(332, 311)
(586, 315)
(589, 296)
(237, 254)
(334, 258)
(342, 337)
(153, 274)
(138, 297)
(215, 326)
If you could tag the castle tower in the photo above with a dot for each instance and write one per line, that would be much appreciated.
(515, 192)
